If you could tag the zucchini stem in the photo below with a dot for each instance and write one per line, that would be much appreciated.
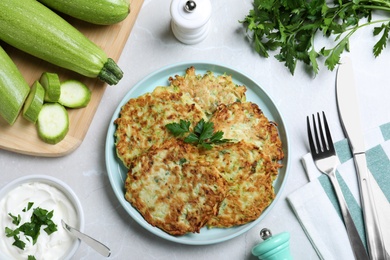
(110, 73)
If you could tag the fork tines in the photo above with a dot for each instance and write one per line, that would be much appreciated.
(322, 144)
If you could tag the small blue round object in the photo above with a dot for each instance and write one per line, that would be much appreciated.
(274, 248)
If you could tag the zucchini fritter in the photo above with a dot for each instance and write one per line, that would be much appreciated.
(142, 120)
(174, 188)
(248, 173)
(245, 121)
(209, 91)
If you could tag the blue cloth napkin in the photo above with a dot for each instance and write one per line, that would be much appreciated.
(315, 204)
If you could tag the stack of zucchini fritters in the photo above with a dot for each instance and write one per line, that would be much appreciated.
(180, 187)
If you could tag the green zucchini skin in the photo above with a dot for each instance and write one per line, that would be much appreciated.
(35, 29)
(13, 88)
(103, 12)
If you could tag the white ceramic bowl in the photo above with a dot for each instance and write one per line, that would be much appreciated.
(61, 186)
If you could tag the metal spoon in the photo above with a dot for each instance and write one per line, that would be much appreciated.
(99, 247)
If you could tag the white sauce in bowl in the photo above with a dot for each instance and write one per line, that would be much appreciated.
(45, 196)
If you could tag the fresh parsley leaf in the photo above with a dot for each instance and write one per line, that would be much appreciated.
(31, 229)
(204, 130)
(10, 233)
(207, 146)
(19, 243)
(40, 215)
(29, 205)
(51, 227)
(217, 138)
(15, 219)
(202, 135)
(31, 257)
(192, 138)
(381, 44)
(179, 129)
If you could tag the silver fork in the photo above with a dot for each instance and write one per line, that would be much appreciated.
(324, 156)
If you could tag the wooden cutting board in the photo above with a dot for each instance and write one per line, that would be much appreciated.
(22, 137)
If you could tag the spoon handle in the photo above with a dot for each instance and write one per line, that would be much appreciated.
(99, 247)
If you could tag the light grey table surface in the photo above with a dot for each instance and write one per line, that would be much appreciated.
(152, 46)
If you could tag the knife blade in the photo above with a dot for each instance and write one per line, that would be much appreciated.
(348, 107)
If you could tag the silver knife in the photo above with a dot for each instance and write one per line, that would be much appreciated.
(348, 107)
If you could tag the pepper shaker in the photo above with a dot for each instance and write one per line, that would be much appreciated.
(273, 247)
(190, 20)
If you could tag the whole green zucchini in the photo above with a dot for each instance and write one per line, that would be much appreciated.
(104, 12)
(13, 88)
(33, 28)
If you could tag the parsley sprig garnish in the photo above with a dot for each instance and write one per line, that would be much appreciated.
(202, 135)
(31, 230)
(291, 26)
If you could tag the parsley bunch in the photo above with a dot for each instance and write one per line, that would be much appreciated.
(203, 133)
(291, 26)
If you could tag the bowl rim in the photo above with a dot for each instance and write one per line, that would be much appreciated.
(60, 185)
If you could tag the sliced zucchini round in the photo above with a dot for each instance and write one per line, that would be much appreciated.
(34, 102)
(53, 123)
(74, 94)
(51, 83)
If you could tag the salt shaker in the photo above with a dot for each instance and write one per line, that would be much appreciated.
(273, 247)
(190, 20)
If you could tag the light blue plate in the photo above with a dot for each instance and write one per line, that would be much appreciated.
(117, 172)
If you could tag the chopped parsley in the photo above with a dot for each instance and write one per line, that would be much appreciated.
(182, 161)
(202, 135)
(29, 205)
(15, 219)
(31, 230)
